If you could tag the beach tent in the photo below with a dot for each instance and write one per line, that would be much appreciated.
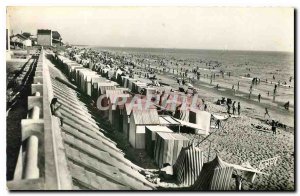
(167, 147)
(151, 137)
(215, 175)
(188, 165)
(139, 119)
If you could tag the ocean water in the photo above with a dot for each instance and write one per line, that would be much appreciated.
(262, 64)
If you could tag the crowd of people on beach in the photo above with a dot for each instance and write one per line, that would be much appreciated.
(186, 75)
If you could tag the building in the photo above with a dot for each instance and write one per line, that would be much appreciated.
(44, 37)
(20, 40)
(56, 38)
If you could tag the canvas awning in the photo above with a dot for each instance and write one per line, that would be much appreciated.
(220, 117)
(168, 120)
(194, 126)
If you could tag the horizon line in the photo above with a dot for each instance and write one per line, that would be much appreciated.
(184, 48)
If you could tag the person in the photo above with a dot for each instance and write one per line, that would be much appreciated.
(273, 124)
(54, 106)
(218, 123)
(266, 112)
(259, 97)
(238, 85)
(233, 108)
(228, 108)
(239, 108)
(287, 105)
(205, 107)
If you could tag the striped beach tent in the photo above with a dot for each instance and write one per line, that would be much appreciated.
(215, 175)
(167, 147)
(188, 165)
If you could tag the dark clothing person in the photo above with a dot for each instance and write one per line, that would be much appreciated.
(259, 97)
(218, 123)
(233, 108)
(239, 108)
(54, 106)
(287, 105)
(273, 124)
(266, 112)
(205, 107)
(228, 108)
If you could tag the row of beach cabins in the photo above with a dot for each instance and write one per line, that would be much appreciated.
(152, 117)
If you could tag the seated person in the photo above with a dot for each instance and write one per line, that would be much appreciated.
(54, 106)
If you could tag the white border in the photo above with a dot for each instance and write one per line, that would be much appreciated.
(219, 3)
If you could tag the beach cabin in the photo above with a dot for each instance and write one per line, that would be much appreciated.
(130, 84)
(103, 86)
(151, 137)
(201, 119)
(117, 100)
(167, 147)
(137, 86)
(88, 82)
(95, 80)
(139, 119)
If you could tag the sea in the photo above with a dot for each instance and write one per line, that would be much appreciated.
(263, 64)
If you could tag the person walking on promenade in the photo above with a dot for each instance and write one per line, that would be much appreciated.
(259, 97)
(239, 108)
(266, 112)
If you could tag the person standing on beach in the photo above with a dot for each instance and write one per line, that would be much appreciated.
(233, 108)
(239, 108)
(273, 124)
(250, 91)
(205, 107)
(238, 85)
(259, 97)
(266, 112)
(228, 108)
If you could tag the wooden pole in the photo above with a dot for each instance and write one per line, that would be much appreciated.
(209, 151)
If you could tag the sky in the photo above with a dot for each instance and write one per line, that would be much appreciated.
(222, 28)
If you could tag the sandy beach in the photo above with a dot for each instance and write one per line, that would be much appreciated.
(239, 140)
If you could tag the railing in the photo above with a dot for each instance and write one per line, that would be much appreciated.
(32, 130)
(41, 164)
